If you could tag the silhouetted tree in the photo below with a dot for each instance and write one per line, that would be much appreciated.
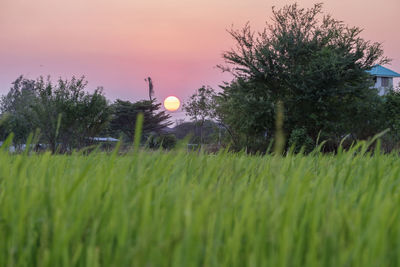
(65, 114)
(16, 110)
(314, 64)
(125, 113)
(201, 107)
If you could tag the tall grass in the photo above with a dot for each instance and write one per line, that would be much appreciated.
(188, 209)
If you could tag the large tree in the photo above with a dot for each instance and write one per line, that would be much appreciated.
(313, 63)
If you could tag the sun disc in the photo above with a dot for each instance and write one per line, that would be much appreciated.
(172, 103)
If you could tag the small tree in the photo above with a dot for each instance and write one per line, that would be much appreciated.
(66, 115)
(125, 113)
(391, 114)
(16, 109)
(201, 106)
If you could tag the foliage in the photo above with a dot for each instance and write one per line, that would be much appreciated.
(201, 107)
(210, 132)
(82, 115)
(125, 113)
(165, 141)
(300, 140)
(66, 115)
(391, 113)
(191, 209)
(313, 63)
(366, 116)
(16, 110)
(249, 119)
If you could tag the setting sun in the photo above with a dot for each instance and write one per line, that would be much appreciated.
(172, 103)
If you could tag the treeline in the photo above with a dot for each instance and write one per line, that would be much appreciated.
(309, 65)
(64, 116)
(234, 120)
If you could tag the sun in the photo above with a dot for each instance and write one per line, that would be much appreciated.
(172, 103)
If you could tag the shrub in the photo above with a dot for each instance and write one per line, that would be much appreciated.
(300, 139)
(166, 141)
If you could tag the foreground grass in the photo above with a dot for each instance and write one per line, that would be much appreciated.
(186, 209)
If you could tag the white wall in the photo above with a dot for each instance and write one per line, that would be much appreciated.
(378, 85)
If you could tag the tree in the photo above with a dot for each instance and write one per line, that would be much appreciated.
(165, 141)
(314, 64)
(211, 132)
(391, 114)
(125, 113)
(248, 118)
(66, 115)
(16, 110)
(201, 106)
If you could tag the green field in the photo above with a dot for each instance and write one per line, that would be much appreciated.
(192, 209)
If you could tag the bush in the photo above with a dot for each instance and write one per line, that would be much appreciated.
(300, 139)
(165, 141)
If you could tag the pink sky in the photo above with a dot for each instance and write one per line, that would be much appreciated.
(118, 43)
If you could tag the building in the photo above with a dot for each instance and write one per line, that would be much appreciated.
(383, 78)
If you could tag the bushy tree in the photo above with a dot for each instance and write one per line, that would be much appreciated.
(16, 110)
(299, 140)
(391, 117)
(210, 132)
(125, 113)
(165, 141)
(248, 118)
(66, 115)
(201, 107)
(313, 63)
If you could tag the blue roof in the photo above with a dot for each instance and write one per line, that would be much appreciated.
(380, 71)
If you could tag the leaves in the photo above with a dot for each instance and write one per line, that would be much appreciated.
(201, 106)
(313, 63)
(63, 111)
(126, 112)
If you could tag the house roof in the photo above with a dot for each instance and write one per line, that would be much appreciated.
(380, 71)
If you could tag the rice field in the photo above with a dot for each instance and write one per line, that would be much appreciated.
(192, 209)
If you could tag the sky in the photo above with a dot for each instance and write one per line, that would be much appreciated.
(178, 43)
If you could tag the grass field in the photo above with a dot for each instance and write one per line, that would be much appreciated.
(189, 209)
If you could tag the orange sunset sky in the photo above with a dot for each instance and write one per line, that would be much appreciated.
(118, 43)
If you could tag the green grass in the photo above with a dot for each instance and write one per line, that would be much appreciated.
(189, 209)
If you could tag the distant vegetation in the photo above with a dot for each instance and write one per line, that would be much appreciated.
(300, 89)
(64, 116)
(312, 64)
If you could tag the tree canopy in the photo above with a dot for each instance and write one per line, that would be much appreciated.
(316, 65)
(69, 117)
(125, 113)
(201, 107)
(66, 115)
